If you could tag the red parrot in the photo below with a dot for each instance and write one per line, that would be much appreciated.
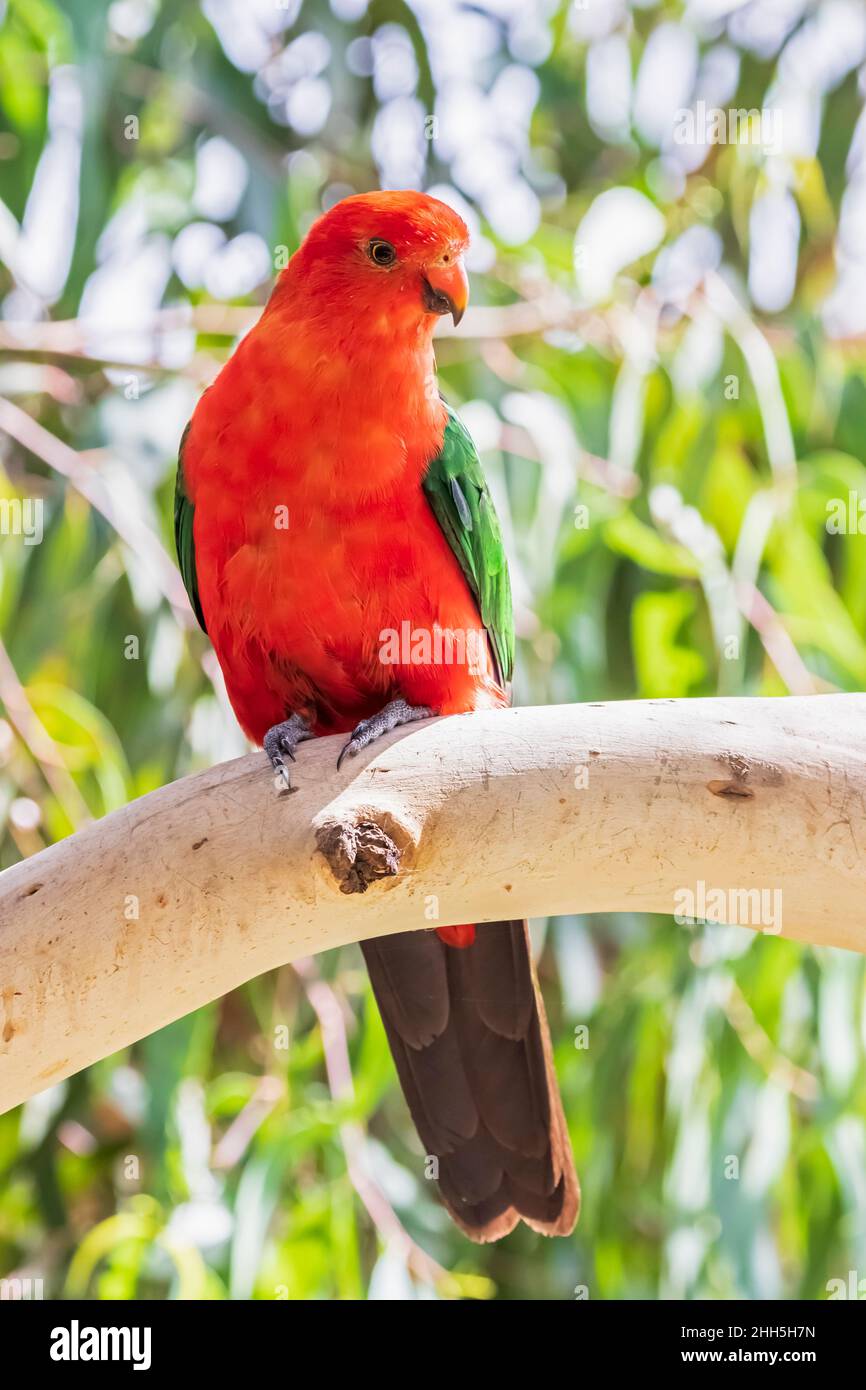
(327, 497)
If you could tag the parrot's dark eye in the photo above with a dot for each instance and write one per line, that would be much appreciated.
(381, 252)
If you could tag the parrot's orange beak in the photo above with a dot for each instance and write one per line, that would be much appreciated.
(446, 287)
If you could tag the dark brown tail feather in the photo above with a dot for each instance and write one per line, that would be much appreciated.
(469, 1037)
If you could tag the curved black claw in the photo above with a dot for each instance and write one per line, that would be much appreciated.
(283, 739)
(391, 717)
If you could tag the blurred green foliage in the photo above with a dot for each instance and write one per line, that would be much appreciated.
(663, 479)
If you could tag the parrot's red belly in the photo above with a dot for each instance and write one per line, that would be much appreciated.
(333, 612)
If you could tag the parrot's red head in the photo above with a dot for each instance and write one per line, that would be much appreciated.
(390, 261)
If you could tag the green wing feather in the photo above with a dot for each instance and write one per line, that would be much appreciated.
(461, 502)
(183, 536)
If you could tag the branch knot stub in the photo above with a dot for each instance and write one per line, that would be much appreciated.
(358, 854)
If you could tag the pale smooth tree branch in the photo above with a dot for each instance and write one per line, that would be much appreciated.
(186, 893)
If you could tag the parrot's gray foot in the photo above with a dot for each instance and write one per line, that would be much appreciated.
(284, 739)
(396, 713)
